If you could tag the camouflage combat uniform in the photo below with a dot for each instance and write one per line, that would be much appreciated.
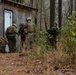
(54, 33)
(22, 32)
(11, 36)
(3, 43)
(30, 34)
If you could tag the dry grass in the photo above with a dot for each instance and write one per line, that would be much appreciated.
(30, 62)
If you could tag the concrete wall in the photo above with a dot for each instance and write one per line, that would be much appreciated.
(1, 20)
(19, 15)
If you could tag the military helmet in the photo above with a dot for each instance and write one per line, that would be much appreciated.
(55, 22)
(29, 18)
(14, 25)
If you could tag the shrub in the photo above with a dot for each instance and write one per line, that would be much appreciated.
(69, 37)
(41, 41)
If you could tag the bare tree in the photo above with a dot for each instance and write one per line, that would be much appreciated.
(41, 16)
(36, 12)
(60, 12)
(75, 5)
(52, 12)
(70, 7)
(31, 3)
(45, 15)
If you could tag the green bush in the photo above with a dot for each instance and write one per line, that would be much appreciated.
(69, 36)
(41, 40)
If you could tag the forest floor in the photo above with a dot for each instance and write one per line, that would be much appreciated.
(23, 64)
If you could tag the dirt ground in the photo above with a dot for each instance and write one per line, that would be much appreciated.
(15, 64)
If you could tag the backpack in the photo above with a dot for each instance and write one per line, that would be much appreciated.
(10, 30)
(30, 27)
(52, 31)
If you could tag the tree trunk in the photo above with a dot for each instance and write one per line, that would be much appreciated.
(45, 17)
(41, 16)
(36, 12)
(52, 12)
(60, 12)
(75, 5)
(70, 7)
(31, 3)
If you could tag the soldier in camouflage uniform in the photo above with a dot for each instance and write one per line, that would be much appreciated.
(22, 32)
(54, 33)
(11, 36)
(3, 43)
(30, 34)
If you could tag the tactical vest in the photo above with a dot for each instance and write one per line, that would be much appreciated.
(30, 27)
(10, 30)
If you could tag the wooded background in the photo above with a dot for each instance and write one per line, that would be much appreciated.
(50, 11)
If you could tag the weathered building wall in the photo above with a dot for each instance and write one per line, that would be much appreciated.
(1, 20)
(19, 15)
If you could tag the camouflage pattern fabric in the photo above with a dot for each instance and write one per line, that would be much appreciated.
(53, 32)
(29, 41)
(11, 43)
(22, 32)
(10, 30)
(29, 38)
(30, 27)
(12, 39)
(3, 42)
